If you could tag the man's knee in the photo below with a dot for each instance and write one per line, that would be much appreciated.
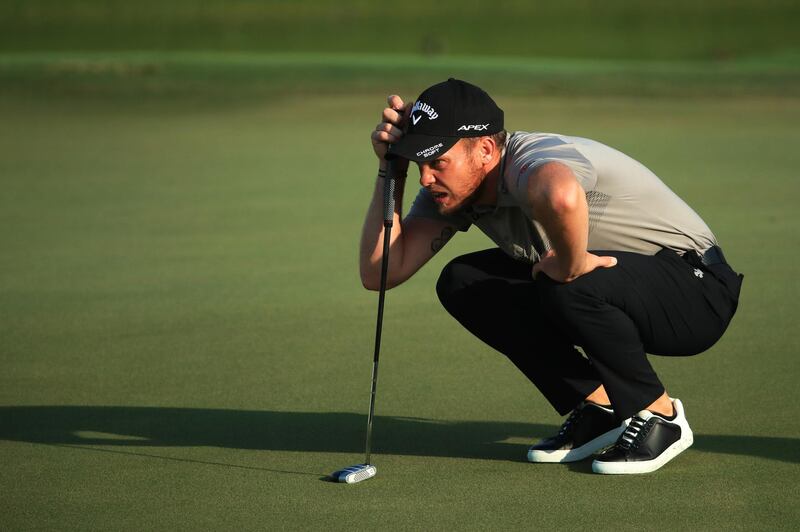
(486, 278)
(450, 281)
(465, 277)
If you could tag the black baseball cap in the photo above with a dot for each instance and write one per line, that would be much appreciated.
(444, 113)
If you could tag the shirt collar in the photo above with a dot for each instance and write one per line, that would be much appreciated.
(504, 197)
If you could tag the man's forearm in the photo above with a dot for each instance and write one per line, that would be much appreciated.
(371, 248)
(559, 205)
(566, 222)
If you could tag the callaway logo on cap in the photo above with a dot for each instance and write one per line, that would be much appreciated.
(444, 113)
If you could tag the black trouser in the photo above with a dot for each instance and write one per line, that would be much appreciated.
(664, 304)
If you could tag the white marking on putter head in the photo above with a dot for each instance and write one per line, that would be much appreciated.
(356, 473)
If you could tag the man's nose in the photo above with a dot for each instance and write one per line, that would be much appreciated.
(426, 178)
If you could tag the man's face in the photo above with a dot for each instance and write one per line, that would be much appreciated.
(455, 178)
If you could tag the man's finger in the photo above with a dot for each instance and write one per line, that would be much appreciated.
(395, 102)
(389, 128)
(608, 262)
(536, 269)
(385, 137)
(392, 116)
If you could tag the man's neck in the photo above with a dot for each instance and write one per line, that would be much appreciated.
(488, 193)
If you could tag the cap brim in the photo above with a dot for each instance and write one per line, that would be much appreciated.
(421, 148)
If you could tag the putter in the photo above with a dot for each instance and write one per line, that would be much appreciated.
(364, 471)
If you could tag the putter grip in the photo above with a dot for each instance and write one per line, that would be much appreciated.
(388, 194)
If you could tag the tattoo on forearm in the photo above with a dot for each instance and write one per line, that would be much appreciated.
(439, 242)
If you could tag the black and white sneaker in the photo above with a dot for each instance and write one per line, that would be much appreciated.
(649, 442)
(589, 428)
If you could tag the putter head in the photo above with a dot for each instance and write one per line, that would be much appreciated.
(354, 474)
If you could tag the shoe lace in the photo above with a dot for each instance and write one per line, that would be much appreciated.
(567, 426)
(631, 434)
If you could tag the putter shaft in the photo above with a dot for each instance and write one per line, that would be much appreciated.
(388, 218)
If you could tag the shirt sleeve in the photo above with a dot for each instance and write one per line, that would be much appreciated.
(425, 207)
(550, 148)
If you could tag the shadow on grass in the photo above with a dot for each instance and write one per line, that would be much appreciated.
(242, 429)
(776, 448)
(307, 431)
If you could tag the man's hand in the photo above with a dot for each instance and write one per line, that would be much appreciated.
(551, 267)
(390, 129)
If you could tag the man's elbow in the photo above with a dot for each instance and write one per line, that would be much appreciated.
(373, 282)
(555, 189)
(565, 200)
(369, 283)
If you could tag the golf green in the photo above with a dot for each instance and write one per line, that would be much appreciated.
(185, 343)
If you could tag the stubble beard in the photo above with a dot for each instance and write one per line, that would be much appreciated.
(478, 181)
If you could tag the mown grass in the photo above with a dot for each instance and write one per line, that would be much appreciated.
(621, 29)
(184, 341)
(186, 344)
(229, 77)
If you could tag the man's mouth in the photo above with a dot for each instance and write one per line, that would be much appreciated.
(439, 197)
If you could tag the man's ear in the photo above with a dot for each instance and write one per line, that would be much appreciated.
(487, 148)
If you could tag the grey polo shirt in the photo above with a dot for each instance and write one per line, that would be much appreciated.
(630, 208)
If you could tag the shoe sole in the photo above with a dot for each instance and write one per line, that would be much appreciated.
(636, 468)
(573, 455)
